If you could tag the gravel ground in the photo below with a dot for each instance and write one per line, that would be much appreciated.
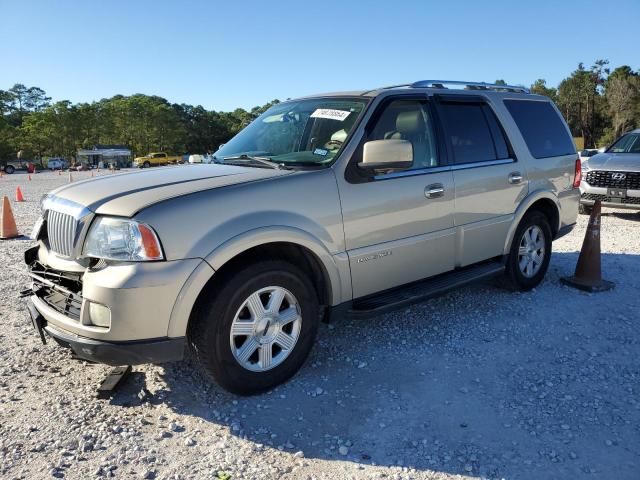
(478, 383)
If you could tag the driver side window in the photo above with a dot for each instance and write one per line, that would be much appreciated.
(408, 120)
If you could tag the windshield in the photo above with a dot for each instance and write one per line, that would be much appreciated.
(303, 132)
(629, 143)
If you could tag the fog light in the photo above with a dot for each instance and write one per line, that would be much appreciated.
(99, 315)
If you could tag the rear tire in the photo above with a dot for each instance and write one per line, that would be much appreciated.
(585, 209)
(9, 169)
(232, 303)
(530, 252)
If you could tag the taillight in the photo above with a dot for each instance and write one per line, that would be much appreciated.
(577, 174)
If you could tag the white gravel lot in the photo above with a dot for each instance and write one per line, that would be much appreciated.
(479, 383)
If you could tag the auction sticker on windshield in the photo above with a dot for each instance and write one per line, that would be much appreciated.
(330, 113)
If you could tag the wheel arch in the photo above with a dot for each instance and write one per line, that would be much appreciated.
(543, 201)
(329, 273)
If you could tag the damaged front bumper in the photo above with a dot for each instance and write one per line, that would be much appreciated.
(110, 353)
(138, 299)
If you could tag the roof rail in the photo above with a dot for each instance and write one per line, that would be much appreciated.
(469, 85)
(466, 85)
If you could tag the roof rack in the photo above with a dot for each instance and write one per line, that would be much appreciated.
(469, 85)
(466, 85)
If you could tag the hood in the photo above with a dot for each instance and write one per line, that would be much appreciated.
(622, 162)
(125, 194)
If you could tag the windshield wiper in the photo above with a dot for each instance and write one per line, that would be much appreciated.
(262, 160)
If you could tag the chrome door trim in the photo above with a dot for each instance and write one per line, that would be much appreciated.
(490, 163)
(445, 168)
(412, 173)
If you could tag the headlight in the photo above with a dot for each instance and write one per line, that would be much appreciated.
(121, 239)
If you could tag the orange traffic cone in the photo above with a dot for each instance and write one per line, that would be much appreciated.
(588, 274)
(59, 172)
(19, 196)
(29, 177)
(92, 173)
(8, 227)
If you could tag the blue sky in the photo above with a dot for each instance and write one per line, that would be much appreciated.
(224, 55)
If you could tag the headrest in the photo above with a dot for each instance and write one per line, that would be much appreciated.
(409, 122)
(340, 135)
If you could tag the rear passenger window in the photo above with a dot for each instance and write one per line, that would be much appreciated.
(473, 132)
(543, 130)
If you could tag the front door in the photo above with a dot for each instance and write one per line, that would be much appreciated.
(399, 226)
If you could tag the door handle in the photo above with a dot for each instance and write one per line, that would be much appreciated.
(434, 190)
(515, 177)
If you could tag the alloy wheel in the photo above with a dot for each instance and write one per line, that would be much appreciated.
(532, 251)
(265, 329)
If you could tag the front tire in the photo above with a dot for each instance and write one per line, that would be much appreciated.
(254, 329)
(530, 252)
(9, 169)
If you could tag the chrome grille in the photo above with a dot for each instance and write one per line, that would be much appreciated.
(604, 178)
(61, 231)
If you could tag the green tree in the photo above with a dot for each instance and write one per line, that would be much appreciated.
(24, 100)
(579, 99)
(539, 87)
(622, 94)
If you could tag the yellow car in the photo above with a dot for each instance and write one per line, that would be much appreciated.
(155, 159)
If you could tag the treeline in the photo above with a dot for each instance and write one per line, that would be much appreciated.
(31, 123)
(598, 103)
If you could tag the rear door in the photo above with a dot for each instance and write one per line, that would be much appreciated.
(489, 181)
(399, 226)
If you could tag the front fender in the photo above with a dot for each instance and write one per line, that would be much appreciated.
(336, 266)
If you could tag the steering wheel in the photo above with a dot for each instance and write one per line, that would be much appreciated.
(333, 144)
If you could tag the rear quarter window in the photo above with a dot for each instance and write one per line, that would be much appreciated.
(542, 128)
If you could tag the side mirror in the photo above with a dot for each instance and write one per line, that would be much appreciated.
(387, 155)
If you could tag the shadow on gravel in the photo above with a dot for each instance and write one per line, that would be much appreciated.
(632, 215)
(479, 382)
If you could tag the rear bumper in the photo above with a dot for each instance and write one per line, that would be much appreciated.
(605, 202)
(156, 350)
(589, 195)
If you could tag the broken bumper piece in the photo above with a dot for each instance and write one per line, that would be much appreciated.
(157, 350)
